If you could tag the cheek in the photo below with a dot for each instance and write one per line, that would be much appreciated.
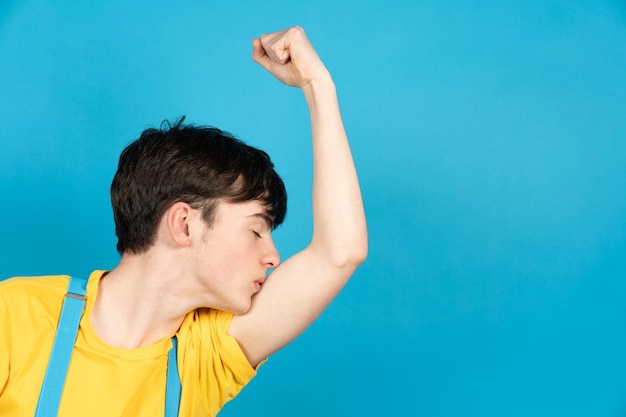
(227, 253)
(234, 255)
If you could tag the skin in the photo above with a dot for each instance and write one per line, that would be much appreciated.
(191, 265)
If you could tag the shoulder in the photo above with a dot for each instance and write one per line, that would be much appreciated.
(214, 368)
(31, 304)
(207, 330)
(34, 286)
(206, 323)
(29, 294)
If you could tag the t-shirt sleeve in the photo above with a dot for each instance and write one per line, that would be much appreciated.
(213, 367)
(5, 337)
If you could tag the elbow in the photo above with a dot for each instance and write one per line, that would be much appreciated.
(360, 252)
(351, 254)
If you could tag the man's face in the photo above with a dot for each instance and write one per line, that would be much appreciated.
(234, 255)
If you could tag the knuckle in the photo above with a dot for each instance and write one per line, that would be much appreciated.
(295, 31)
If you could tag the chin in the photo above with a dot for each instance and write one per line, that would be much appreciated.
(242, 309)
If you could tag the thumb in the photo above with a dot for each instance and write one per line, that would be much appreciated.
(259, 55)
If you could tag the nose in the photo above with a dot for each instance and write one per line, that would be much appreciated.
(271, 257)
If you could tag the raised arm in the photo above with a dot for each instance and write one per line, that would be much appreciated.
(301, 287)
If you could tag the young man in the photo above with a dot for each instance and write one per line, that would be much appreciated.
(194, 210)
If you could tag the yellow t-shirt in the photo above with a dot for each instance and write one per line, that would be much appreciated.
(103, 380)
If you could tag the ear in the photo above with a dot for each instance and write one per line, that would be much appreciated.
(178, 218)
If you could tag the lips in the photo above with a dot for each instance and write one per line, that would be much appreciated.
(258, 283)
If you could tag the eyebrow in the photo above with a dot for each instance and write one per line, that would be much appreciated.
(266, 217)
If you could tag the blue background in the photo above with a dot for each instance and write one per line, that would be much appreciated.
(490, 138)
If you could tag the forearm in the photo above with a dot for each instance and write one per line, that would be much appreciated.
(340, 231)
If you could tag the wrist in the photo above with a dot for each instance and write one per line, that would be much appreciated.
(319, 87)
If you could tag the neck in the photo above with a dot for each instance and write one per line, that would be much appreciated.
(138, 304)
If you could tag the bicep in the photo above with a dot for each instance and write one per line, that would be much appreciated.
(293, 296)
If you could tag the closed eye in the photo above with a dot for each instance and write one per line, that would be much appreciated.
(257, 234)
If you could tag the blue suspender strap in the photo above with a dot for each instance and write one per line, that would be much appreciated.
(54, 380)
(173, 387)
(64, 340)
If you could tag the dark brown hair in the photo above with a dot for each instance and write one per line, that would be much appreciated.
(198, 165)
